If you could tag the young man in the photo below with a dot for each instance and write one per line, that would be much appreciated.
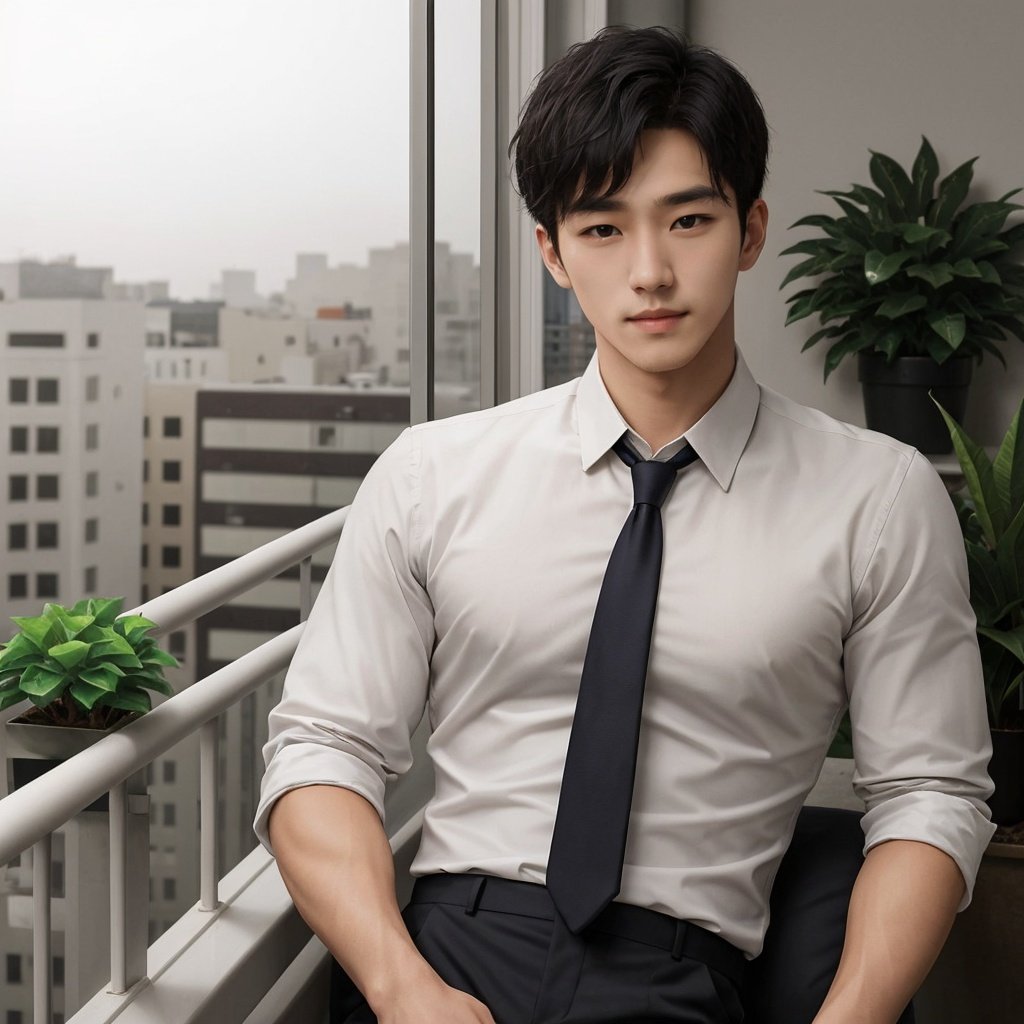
(485, 572)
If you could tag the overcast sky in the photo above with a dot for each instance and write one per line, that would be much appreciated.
(172, 138)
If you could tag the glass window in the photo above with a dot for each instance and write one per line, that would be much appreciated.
(92, 483)
(171, 470)
(169, 816)
(47, 390)
(14, 968)
(17, 585)
(92, 531)
(92, 437)
(145, 426)
(90, 579)
(15, 1017)
(170, 768)
(19, 439)
(34, 339)
(170, 556)
(17, 390)
(172, 426)
(169, 889)
(46, 535)
(47, 487)
(47, 439)
(46, 584)
(176, 643)
(145, 471)
(58, 970)
(17, 487)
(144, 556)
(145, 513)
(172, 515)
(17, 536)
(92, 340)
(92, 389)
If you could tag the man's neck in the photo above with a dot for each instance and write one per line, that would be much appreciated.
(662, 406)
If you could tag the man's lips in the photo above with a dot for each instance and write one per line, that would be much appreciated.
(656, 320)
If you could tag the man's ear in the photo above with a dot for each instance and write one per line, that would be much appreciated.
(757, 232)
(551, 259)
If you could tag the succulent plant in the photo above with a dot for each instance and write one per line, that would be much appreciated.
(83, 666)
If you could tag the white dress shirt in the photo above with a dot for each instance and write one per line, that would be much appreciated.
(808, 564)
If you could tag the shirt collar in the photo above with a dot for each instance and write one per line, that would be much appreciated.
(718, 437)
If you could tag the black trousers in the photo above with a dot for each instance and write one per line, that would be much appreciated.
(502, 942)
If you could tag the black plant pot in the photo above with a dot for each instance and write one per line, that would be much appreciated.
(896, 400)
(1007, 771)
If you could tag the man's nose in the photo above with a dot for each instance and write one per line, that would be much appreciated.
(651, 268)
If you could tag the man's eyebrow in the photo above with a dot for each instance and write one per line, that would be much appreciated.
(609, 204)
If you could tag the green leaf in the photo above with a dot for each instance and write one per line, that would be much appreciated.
(18, 649)
(66, 625)
(966, 268)
(901, 303)
(86, 694)
(811, 247)
(890, 177)
(879, 267)
(130, 700)
(806, 268)
(952, 192)
(106, 609)
(841, 349)
(978, 223)
(1012, 639)
(1008, 466)
(159, 657)
(824, 332)
(951, 327)
(40, 681)
(980, 479)
(70, 653)
(924, 174)
(988, 273)
(161, 686)
(103, 678)
(936, 274)
(133, 627)
(814, 220)
(9, 699)
(38, 630)
(915, 233)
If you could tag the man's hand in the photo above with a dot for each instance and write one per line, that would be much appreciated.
(423, 998)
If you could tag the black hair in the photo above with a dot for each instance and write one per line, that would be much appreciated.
(580, 126)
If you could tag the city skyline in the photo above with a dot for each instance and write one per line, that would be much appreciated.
(240, 129)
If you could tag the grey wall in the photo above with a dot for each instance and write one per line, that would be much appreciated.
(836, 78)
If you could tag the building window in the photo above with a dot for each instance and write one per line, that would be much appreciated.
(32, 339)
(46, 584)
(145, 593)
(14, 968)
(92, 340)
(402, 355)
(17, 536)
(145, 471)
(46, 535)
(92, 483)
(176, 643)
(325, 437)
(17, 390)
(169, 889)
(47, 487)
(92, 437)
(289, 339)
(172, 426)
(17, 585)
(92, 531)
(47, 439)
(19, 439)
(58, 970)
(170, 769)
(145, 513)
(169, 815)
(172, 515)
(145, 426)
(15, 1017)
(171, 471)
(47, 390)
(170, 556)
(144, 556)
(17, 487)
(92, 389)
(90, 579)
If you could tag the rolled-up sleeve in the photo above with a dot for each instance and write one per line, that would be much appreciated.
(913, 675)
(357, 685)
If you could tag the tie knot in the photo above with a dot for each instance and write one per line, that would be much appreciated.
(652, 480)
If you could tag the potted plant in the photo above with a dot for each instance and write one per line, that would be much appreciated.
(992, 519)
(86, 672)
(915, 282)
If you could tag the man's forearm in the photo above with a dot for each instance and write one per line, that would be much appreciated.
(335, 859)
(901, 912)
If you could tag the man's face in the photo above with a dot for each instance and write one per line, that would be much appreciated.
(663, 243)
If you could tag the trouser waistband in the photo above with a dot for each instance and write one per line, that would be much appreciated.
(508, 896)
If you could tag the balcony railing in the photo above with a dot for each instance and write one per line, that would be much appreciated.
(242, 953)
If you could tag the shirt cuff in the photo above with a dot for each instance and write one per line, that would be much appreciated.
(312, 764)
(953, 824)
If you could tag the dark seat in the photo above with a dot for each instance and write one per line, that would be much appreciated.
(788, 982)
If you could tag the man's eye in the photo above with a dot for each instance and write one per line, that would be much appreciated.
(601, 231)
(691, 220)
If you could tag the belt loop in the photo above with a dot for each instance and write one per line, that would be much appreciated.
(677, 942)
(476, 890)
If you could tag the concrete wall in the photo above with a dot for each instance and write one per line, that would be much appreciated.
(837, 78)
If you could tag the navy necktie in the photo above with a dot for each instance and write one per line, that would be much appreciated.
(584, 871)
